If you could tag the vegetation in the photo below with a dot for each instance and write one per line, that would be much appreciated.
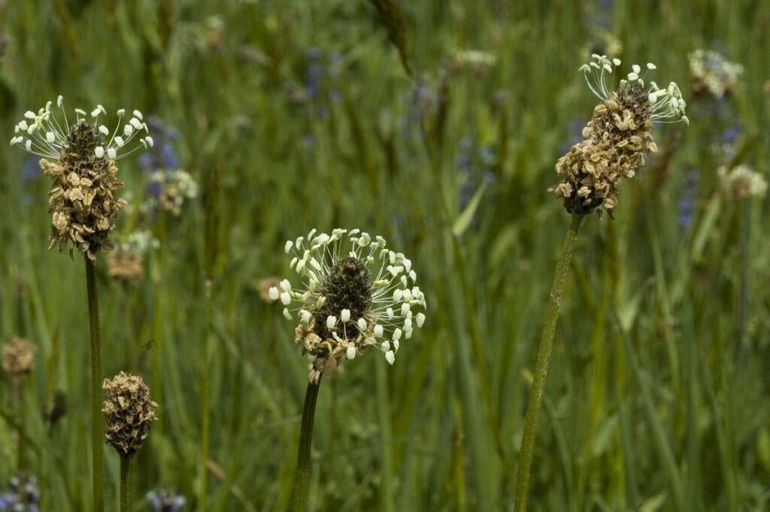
(438, 125)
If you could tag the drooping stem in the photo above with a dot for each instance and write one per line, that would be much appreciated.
(302, 475)
(97, 426)
(542, 365)
(125, 482)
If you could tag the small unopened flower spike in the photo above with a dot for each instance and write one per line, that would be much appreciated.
(353, 290)
(128, 412)
(618, 138)
(80, 157)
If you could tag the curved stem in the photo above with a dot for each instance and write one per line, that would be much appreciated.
(543, 362)
(302, 476)
(125, 482)
(97, 426)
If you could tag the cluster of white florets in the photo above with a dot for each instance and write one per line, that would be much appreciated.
(393, 304)
(666, 105)
(44, 134)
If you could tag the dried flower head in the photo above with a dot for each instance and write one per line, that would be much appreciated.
(125, 263)
(355, 294)
(713, 74)
(165, 500)
(617, 139)
(128, 412)
(23, 494)
(81, 160)
(742, 182)
(18, 357)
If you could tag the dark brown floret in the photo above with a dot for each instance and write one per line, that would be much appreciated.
(346, 287)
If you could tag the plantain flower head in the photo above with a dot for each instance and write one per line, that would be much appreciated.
(128, 412)
(80, 157)
(618, 137)
(355, 293)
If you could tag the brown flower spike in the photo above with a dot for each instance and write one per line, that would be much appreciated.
(617, 139)
(81, 160)
(128, 412)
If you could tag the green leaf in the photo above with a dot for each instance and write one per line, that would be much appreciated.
(465, 218)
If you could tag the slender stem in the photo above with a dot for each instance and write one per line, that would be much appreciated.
(302, 476)
(125, 482)
(543, 362)
(22, 416)
(97, 426)
(205, 399)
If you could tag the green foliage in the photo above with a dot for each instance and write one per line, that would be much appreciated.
(299, 114)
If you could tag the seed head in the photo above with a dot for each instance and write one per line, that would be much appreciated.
(18, 357)
(618, 138)
(81, 160)
(128, 412)
(355, 294)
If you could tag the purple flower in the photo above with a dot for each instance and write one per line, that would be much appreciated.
(688, 199)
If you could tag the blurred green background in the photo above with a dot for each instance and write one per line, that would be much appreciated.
(324, 113)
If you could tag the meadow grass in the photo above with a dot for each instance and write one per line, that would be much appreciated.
(300, 114)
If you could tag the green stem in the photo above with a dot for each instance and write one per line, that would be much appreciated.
(22, 460)
(125, 482)
(97, 426)
(302, 476)
(205, 398)
(543, 362)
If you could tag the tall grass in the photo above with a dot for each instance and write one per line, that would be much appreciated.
(300, 114)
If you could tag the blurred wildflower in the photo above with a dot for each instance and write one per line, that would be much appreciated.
(165, 500)
(170, 189)
(81, 160)
(125, 263)
(22, 495)
(603, 42)
(742, 182)
(18, 357)
(618, 137)
(128, 412)
(355, 294)
(31, 170)
(727, 146)
(688, 199)
(264, 288)
(162, 155)
(713, 74)
(476, 61)
(475, 165)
